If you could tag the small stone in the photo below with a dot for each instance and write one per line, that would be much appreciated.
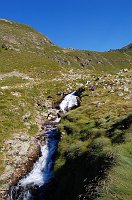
(97, 94)
(127, 97)
(26, 116)
(125, 70)
(109, 88)
(112, 91)
(120, 94)
(126, 89)
(17, 94)
(95, 102)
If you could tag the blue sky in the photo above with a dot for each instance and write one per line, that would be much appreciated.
(97, 25)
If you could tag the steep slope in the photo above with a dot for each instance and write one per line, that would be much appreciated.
(21, 37)
(35, 74)
(32, 79)
(127, 48)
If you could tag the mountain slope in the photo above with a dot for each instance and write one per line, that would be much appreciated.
(127, 48)
(34, 74)
(21, 37)
(24, 38)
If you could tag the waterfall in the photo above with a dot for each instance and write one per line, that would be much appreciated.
(31, 186)
(69, 102)
(42, 171)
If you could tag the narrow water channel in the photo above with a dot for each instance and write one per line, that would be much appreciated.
(32, 186)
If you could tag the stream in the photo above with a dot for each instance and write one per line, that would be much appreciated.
(32, 186)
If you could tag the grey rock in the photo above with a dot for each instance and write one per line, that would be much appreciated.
(120, 94)
(26, 116)
(126, 89)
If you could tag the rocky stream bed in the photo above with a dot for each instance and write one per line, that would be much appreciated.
(32, 185)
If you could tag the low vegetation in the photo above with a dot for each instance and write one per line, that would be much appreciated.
(94, 155)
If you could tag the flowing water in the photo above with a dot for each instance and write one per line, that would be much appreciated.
(32, 186)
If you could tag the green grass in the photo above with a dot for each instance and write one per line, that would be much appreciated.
(119, 181)
(88, 132)
(12, 81)
(86, 129)
(13, 108)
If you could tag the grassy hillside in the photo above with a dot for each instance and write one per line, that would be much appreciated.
(94, 157)
(34, 73)
(21, 37)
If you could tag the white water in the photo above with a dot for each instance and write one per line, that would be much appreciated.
(42, 171)
(68, 102)
(57, 120)
(36, 176)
